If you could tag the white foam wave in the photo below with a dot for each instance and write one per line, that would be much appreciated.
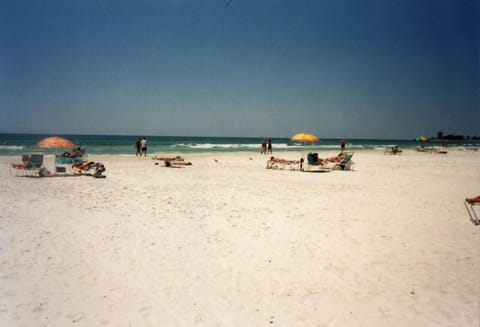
(236, 146)
(218, 146)
(331, 146)
(11, 147)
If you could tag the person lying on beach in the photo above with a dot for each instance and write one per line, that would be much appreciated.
(474, 200)
(338, 158)
(84, 165)
(176, 163)
(273, 159)
(87, 165)
(76, 152)
(178, 158)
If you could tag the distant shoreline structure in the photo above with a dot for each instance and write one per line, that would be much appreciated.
(454, 137)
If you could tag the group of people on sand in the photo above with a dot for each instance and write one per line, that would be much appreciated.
(266, 146)
(141, 146)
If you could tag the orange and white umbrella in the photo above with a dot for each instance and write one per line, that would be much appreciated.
(55, 142)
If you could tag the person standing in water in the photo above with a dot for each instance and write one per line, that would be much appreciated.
(264, 147)
(138, 146)
(143, 142)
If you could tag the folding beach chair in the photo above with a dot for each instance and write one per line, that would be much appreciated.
(315, 164)
(343, 162)
(30, 166)
(346, 163)
(469, 205)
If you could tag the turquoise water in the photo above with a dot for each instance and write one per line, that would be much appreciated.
(16, 144)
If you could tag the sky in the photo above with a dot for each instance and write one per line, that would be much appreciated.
(269, 68)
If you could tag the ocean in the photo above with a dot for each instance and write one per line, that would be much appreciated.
(17, 144)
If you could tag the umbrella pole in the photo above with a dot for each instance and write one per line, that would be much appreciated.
(305, 162)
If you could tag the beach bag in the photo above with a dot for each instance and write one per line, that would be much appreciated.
(312, 158)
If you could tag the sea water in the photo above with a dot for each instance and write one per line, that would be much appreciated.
(17, 144)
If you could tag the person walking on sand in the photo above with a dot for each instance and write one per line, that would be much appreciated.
(342, 144)
(138, 146)
(269, 146)
(143, 143)
(264, 147)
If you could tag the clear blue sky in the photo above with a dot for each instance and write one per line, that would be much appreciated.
(373, 69)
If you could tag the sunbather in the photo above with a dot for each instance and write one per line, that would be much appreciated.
(278, 163)
(178, 158)
(280, 160)
(338, 158)
(87, 165)
(469, 203)
(176, 163)
(76, 152)
(474, 200)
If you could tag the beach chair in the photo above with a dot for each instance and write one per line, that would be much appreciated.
(341, 162)
(346, 163)
(64, 165)
(315, 164)
(470, 203)
(31, 165)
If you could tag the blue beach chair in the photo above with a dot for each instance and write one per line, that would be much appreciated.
(30, 166)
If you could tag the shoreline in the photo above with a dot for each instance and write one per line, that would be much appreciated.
(333, 149)
(17, 145)
(248, 151)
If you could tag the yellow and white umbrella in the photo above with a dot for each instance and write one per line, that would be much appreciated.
(304, 137)
(422, 138)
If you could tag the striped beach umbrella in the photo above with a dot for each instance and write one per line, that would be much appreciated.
(55, 142)
(422, 138)
(304, 137)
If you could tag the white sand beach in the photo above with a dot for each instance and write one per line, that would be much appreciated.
(226, 242)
